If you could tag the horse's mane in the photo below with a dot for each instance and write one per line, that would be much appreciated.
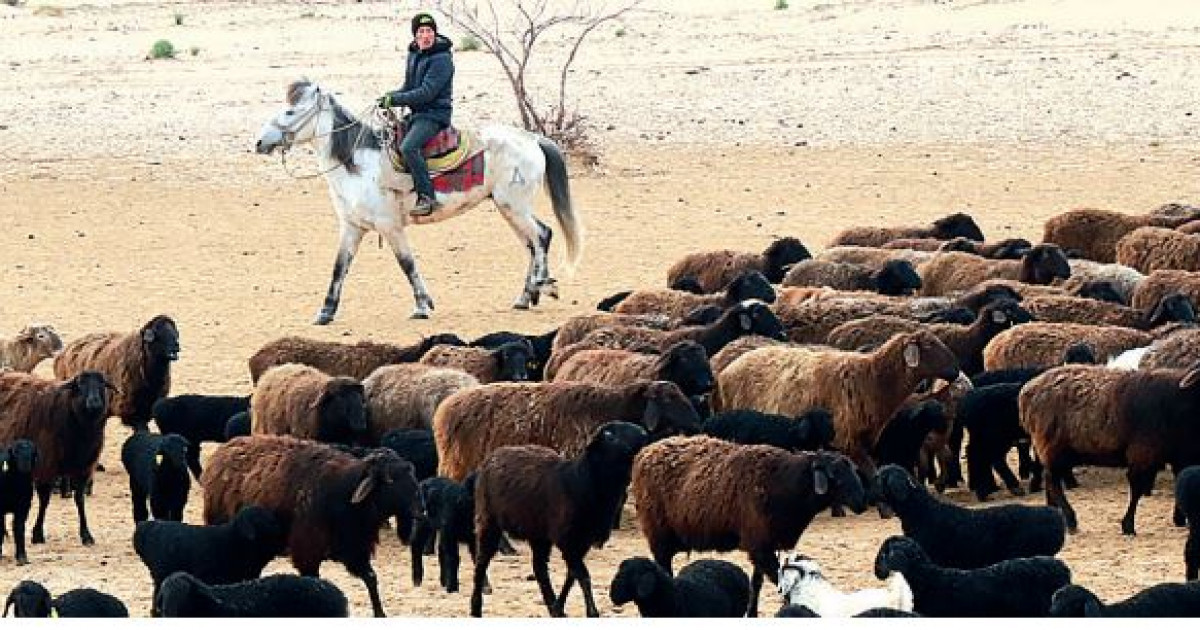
(349, 133)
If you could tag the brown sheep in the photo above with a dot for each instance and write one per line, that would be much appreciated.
(873, 257)
(473, 423)
(703, 493)
(1149, 249)
(1159, 284)
(862, 391)
(1093, 234)
(945, 228)
(736, 348)
(1191, 227)
(138, 365)
(576, 328)
(356, 361)
(1174, 307)
(713, 271)
(65, 421)
(330, 503)
(304, 402)
(685, 364)
(956, 271)
(508, 362)
(29, 347)
(1179, 350)
(1040, 345)
(1093, 415)
(405, 396)
(1009, 248)
(895, 277)
(749, 285)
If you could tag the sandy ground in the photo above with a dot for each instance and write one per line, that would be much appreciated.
(129, 188)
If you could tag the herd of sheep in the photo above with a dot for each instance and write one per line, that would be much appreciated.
(728, 410)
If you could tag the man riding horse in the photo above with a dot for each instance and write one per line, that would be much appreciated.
(427, 92)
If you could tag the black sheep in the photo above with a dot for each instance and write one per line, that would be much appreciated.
(896, 277)
(704, 588)
(30, 599)
(158, 472)
(902, 437)
(542, 345)
(796, 610)
(1160, 600)
(416, 446)
(237, 425)
(965, 538)
(688, 283)
(609, 303)
(450, 517)
(1187, 512)
(198, 419)
(811, 431)
(16, 491)
(954, 315)
(991, 416)
(1101, 290)
(535, 494)
(183, 595)
(1012, 588)
(217, 554)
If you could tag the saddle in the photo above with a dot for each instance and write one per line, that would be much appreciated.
(445, 151)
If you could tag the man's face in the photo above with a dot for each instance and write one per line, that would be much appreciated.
(425, 35)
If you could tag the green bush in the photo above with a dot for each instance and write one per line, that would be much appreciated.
(780, 5)
(469, 43)
(620, 32)
(178, 19)
(195, 50)
(162, 49)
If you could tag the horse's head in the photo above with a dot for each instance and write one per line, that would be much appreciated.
(295, 122)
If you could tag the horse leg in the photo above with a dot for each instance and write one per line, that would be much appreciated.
(403, 251)
(530, 231)
(351, 237)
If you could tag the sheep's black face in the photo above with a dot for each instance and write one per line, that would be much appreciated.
(668, 411)
(688, 283)
(92, 390)
(896, 487)
(898, 553)
(959, 244)
(1080, 353)
(844, 483)
(618, 442)
(897, 277)
(1073, 600)
(755, 318)
(1101, 290)
(702, 316)
(686, 365)
(954, 315)
(749, 285)
(175, 594)
(22, 456)
(30, 600)
(1011, 249)
(237, 425)
(780, 255)
(1174, 307)
(172, 452)
(343, 410)
(814, 429)
(1047, 263)
(161, 338)
(514, 360)
(976, 300)
(390, 482)
(637, 579)
(1003, 314)
(957, 224)
(609, 303)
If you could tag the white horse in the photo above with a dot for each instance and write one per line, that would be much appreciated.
(350, 158)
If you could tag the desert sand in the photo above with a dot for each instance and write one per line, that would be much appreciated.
(130, 187)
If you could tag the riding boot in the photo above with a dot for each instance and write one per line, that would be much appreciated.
(425, 206)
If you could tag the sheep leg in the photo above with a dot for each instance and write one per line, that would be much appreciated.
(422, 530)
(448, 559)
(471, 549)
(1139, 481)
(663, 555)
(954, 474)
(1191, 556)
(39, 533)
(193, 462)
(350, 238)
(1024, 459)
(1178, 516)
(541, 572)
(372, 582)
(577, 569)
(398, 241)
(139, 502)
(79, 485)
(488, 541)
(1000, 465)
(979, 472)
(19, 518)
(1056, 497)
(765, 563)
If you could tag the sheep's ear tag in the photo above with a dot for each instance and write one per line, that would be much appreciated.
(148, 336)
(364, 488)
(912, 355)
(999, 317)
(820, 481)
(158, 459)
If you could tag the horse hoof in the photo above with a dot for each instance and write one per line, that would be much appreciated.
(323, 317)
(419, 314)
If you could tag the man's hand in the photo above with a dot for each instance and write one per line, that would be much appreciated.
(384, 101)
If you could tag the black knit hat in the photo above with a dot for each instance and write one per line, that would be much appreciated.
(423, 19)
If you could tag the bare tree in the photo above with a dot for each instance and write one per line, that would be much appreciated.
(511, 29)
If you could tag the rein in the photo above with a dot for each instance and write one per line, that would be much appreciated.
(312, 113)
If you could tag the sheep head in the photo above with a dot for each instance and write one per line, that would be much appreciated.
(900, 554)
(1002, 314)
(957, 224)
(172, 452)
(616, 443)
(752, 317)
(42, 338)
(749, 285)
(701, 315)
(1044, 264)
(1173, 307)
(837, 477)
(513, 360)
(1011, 249)
(814, 426)
(20, 457)
(897, 277)
(1073, 600)
(389, 483)
(666, 410)
(896, 487)
(926, 356)
(342, 410)
(89, 392)
(686, 365)
(1101, 290)
(30, 599)
(160, 338)
(782, 254)
(637, 579)
(795, 569)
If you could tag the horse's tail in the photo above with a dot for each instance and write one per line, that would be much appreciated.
(560, 197)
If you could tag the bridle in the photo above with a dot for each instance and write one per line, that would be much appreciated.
(289, 134)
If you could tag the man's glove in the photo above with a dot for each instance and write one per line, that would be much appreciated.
(385, 101)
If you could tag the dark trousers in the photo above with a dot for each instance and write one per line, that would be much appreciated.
(420, 131)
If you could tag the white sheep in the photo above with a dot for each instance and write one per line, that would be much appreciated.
(802, 583)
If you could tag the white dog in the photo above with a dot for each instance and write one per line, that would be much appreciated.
(801, 583)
